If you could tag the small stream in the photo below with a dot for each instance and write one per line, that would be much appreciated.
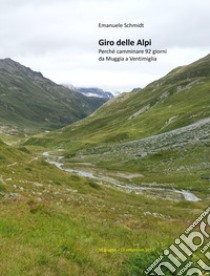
(188, 196)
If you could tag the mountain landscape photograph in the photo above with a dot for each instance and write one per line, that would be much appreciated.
(104, 166)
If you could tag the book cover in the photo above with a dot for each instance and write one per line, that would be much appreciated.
(104, 137)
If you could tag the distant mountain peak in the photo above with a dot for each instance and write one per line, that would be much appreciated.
(95, 92)
(91, 92)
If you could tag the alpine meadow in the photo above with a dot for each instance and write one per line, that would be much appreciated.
(96, 187)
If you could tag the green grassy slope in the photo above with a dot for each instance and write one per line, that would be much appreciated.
(167, 107)
(56, 223)
(30, 101)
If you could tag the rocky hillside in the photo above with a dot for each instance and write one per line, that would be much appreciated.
(177, 100)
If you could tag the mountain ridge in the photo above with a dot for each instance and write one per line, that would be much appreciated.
(31, 101)
(166, 104)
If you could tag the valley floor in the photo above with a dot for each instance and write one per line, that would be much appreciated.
(104, 210)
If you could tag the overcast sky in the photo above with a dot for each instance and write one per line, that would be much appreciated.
(60, 38)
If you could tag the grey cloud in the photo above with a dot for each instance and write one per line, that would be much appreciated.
(43, 33)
